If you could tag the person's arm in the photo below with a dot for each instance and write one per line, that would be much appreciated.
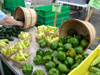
(6, 20)
(10, 21)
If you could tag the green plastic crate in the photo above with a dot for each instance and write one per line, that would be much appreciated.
(46, 11)
(12, 4)
(51, 19)
(52, 23)
(10, 10)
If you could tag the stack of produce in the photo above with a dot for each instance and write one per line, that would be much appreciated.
(3, 42)
(58, 61)
(22, 44)
(50, 29)
(9, 50)
(6, 32)
(95, 66)
(64, 56)
(24, 35)
(20, 56)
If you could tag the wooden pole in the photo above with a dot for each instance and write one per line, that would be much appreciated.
(55, 19)
(89, 15)
(35, 4)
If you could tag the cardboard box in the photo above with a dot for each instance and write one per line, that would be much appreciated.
(83, 68)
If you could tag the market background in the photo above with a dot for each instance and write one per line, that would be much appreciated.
(94, 19)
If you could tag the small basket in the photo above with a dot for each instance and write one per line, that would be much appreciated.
(29, 38)
(5, 46)
(7, 57)
(19, 64)
(27, 50)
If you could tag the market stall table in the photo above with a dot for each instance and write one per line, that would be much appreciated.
(33, 47)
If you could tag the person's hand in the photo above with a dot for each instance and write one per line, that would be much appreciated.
(19, 23)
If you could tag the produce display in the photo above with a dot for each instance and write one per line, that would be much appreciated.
(27, 69)
(9, 50)
(41, 34)
(20, 56)
(64, 56)
(61, 60)
(22, 44)
(24, 35)
(65, 53)
(3, 42)
(6, 32)
(95, 66)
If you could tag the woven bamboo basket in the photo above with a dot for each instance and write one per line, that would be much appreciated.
(7, 57)
(82, 27)
(29, 15)
(19, 64)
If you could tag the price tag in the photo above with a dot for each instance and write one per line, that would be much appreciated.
(56, 8)
(95, 3)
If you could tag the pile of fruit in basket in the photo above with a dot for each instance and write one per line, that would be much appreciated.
(48, 33)
(9, 50)
(24, 35)
(22, 45)
(20, 56)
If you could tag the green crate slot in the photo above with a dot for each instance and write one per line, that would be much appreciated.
(12, 4)
(47, 10)
(51, 19)
(51, 23)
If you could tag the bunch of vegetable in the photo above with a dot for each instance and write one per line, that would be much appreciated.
(6, 32)
(27, 69)
(24, 35)
(22, 44)
(58, 62)
(64, 56)
(95, 66)
(3, 42)
(20, 56)
(50, 29)
(9, 50)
